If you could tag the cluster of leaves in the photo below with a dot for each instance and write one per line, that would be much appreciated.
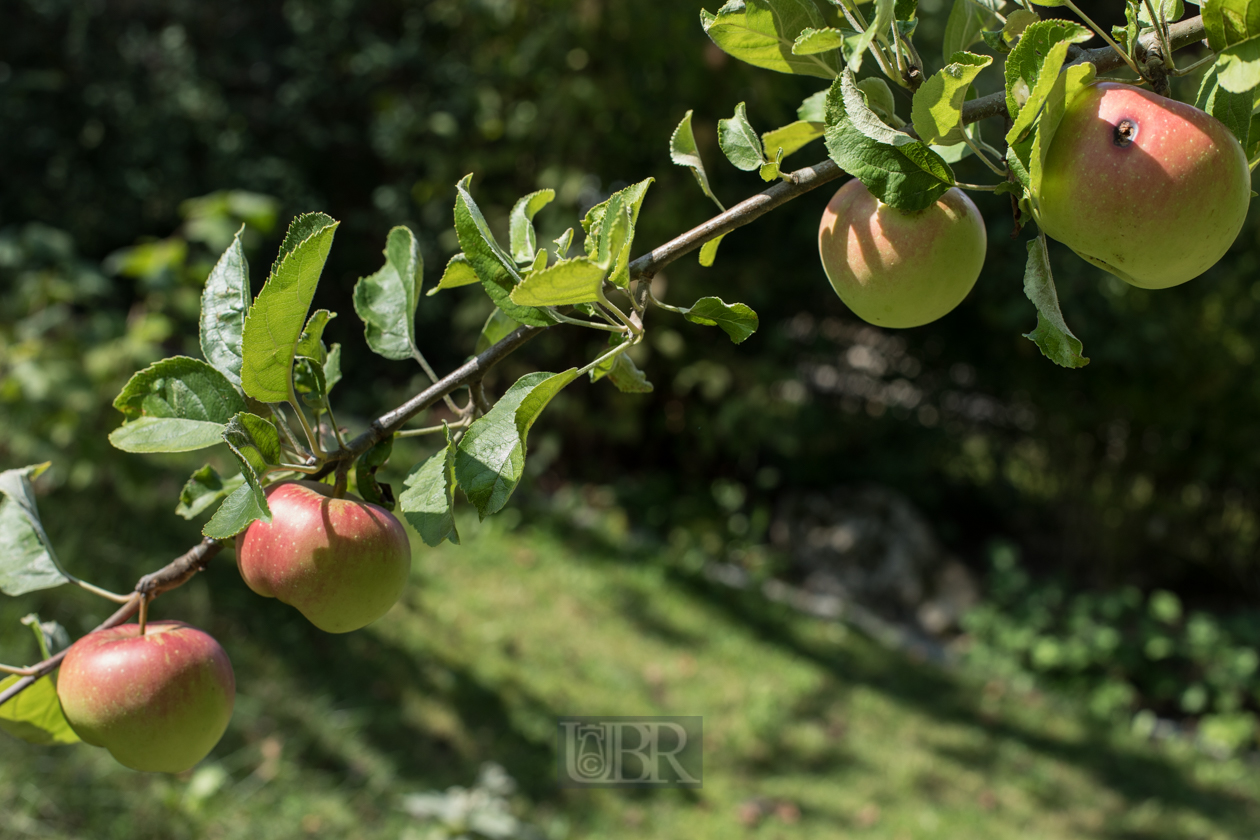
(907, 165)
(1123, 651)
(262, 355)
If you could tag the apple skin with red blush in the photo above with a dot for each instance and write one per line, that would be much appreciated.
(341, 562)
(159, 702)
(1147, 188)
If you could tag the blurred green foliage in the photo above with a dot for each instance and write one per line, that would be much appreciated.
(1122, 651)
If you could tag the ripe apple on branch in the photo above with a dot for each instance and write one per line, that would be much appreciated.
(900, 243)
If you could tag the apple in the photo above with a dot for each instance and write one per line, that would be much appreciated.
(158, 702)
(1145, 187)
(899, 269)
(341, 562)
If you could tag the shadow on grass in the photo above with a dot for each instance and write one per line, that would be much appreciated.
(1136, 775)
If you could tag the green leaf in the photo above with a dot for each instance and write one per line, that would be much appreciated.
(27, 562)
(179, 387)
(203, 489)
(612, 234)
(879, 26)
(365, 474)
(497, 327)
(937, 108)
(967, 19)
(242, 506)
(332, 368)
(49, 635)
(309, 382)
(993, 40)
(1052, 335)
(952, 154)
(491, 455)
(459, 272)
(762, 32)
(1070, 83)
(256, 445)
(708, 251)
(879, 98)
(623, 373)
(792, 137)
(163, 434)
(428, 502)
(610, 243)
(311, 342)
(896, 168)
(224, 302)
(35, 715)
(1032, 67)
(814, 107)
(739, 142)
(771, 169)
(814, 41)
(565, 241)
(1240, 66)
(1016, 22)
(1017, 161)
(521, 225)
(497, 270)
(1126, 36)
(567, 282)
(736, 319)
(386, 301)
(906, 9)
(274, 323)
(1230, 23)
(175, 405)
(1232, 109)
(1171, 10)
(683, 151)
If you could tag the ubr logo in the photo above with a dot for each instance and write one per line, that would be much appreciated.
(630, 751)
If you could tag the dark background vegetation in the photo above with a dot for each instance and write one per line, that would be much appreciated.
(1138, 471)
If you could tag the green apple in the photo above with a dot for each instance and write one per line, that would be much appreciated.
(158, 702)
(899, 269)
(1145, 187)
(341, 562)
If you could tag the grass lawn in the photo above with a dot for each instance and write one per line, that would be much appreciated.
(810, 729)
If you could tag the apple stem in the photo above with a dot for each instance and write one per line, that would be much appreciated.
(144, 613)
(16, 671)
